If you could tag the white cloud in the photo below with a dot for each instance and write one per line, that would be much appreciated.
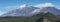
(36, 11)
(1, 13)
(44, 5)
(9, 8)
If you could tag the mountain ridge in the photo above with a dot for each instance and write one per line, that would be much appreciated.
(26, 10)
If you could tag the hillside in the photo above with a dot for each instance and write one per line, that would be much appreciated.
(33, 18)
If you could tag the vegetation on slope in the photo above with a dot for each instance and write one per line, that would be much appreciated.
(33, 18)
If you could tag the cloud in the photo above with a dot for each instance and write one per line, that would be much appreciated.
(36, 11)
(1, 13)
(9, 8)
(44, 5)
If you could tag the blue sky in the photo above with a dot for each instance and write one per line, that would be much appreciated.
(7, 5)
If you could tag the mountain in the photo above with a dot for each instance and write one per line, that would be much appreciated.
(26, 10)
(23, 10)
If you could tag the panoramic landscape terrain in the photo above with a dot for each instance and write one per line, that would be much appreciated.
(30, 11)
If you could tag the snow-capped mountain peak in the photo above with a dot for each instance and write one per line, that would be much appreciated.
(23, 6)
(26, 10)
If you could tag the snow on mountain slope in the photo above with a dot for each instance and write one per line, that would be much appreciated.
(23, 10)
(26, 10)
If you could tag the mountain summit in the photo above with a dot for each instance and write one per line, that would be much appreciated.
(23, 6)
